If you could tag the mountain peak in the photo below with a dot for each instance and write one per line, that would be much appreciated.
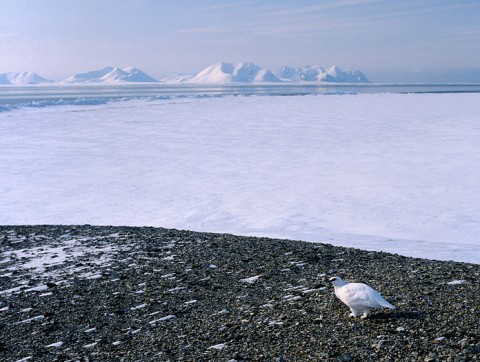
(111, 75)
(240, 72)
(22, 78)
(312, 73)
(218, 73)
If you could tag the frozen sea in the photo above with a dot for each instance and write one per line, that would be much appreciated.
(379, 168)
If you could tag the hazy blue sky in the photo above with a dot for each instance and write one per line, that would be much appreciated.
(57, 38)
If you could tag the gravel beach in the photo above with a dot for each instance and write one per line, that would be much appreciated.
(86, 293)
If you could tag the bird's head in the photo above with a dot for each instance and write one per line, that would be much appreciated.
(336, 281)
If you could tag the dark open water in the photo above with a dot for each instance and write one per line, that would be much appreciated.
(13, 97)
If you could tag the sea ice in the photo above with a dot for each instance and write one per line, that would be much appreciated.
(391, 172)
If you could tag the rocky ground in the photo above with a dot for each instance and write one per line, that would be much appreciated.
(84, 293)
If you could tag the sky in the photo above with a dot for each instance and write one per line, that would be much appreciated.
(389, 40)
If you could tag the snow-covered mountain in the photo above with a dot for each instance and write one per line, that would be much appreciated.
(92, 76)
(22, 78)
(178, 78)
(346, 77)
(215, 74)
(316, 73)
(252, 73)
(111, 75)
(309, 73)
(240, 72)
(128, 74)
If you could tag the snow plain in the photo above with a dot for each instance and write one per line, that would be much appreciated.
(391, 172)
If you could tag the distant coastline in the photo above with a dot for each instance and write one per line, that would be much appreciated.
(219, 73)
(51, 94)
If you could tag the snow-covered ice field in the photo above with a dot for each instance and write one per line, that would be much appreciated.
(391, 172)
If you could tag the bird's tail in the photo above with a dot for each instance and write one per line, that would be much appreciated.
(385, 304)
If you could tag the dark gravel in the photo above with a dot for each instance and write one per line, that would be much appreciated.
(152, 294)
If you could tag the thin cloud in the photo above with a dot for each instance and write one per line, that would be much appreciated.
(388, 8)
(313, 27)
(331, 5)
(227, 6)
(202, 30)
(228, 41)
(316, 18)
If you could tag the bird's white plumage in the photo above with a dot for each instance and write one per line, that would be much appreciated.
(359, 297)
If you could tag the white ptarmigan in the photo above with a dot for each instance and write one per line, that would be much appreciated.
(359, 297)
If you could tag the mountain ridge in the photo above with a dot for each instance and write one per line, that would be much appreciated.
(316, 73)
(239, 72)
(218, 73)
(253, 73)
(111, 75)
(22, 78)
